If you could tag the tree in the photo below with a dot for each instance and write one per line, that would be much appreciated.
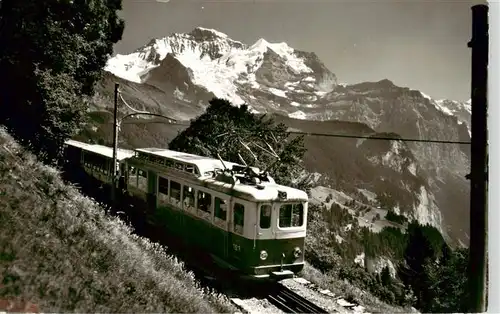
(448, 282)
(424, 243)
(385, 276)
(53, 52)
(231, 131)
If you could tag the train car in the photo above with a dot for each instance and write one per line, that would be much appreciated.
(237, 214)
(95, 160)
(240, 216)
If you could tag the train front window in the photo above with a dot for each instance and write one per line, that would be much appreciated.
(291, 215)
(265, 216)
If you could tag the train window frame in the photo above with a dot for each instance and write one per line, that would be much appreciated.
(132, 173)
(290, 221)
(189, 168)
(192, 193)
(162, 197)
(269, 222)
(146, 178)
(159, 160)
(237, 207)
(171, 197)
(198, 203)
(219, 209)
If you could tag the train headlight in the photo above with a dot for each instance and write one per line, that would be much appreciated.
(297, 252)
(263, 255)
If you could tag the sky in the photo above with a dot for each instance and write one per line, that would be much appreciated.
(418, 44)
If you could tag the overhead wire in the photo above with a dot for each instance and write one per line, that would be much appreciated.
(368, 137)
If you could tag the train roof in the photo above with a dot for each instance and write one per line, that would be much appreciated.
(102, 150)
(204, 164)
(268, 192)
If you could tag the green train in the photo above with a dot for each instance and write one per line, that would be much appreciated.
(237, 214)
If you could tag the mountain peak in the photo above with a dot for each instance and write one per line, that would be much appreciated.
(223, 66)
(203, 32)
(280, 48)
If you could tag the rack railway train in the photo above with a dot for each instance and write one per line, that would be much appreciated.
(237, 214)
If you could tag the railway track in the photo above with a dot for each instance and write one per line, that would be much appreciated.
(290, 302)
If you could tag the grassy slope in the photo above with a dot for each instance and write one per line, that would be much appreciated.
(60, 252)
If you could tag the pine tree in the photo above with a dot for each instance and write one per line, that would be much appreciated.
(385, 277)
(418, 254)
(53, 52)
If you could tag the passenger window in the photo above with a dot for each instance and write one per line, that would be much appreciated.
(265, 216)
(220, 208)
(162, 189)
(204, 201)
(175, 193)
(239, 217)
(179, 166)
(142, 180)
(159, 160)
(132, 176)
(188, 196)
(291, 215)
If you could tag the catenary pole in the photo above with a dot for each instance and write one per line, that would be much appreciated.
(115, 148)
(479, 161)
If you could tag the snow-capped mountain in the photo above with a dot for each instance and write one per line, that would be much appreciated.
(461, 110)
(178, 74)
(230, 69)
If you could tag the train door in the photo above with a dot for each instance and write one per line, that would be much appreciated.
(236, 231)
(265, 222)
(221, 221)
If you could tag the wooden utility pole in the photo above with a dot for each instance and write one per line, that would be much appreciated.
(479, 161)
(115, 148)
